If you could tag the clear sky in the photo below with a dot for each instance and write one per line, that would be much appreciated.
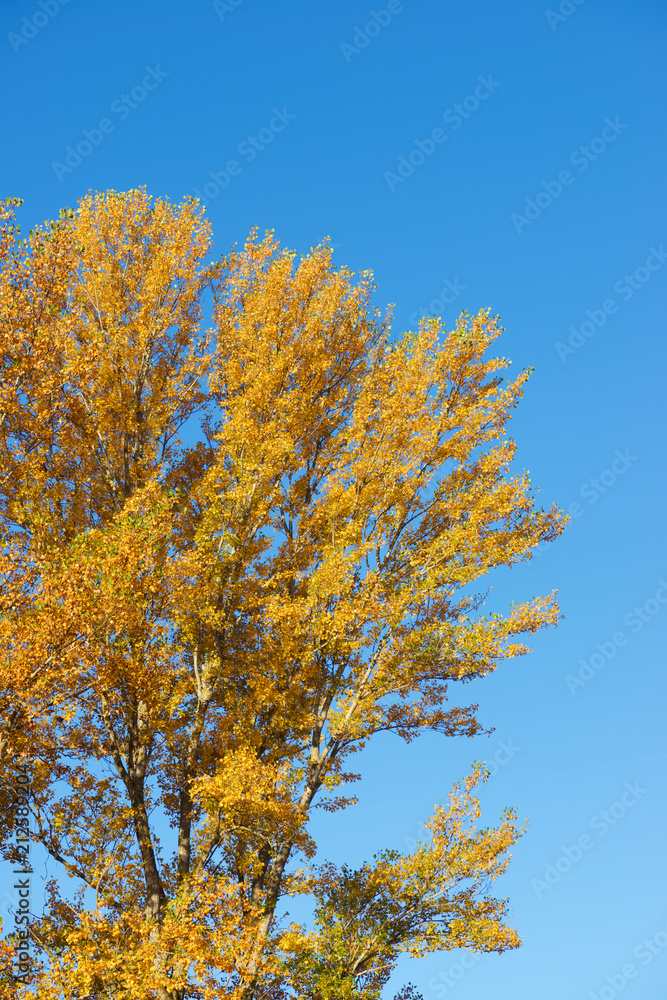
(509, 155)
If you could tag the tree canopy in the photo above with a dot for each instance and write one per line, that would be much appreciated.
(241, 527)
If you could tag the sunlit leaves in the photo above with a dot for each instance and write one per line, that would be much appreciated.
(195, 636)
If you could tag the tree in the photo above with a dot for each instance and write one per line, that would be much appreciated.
(196, 637)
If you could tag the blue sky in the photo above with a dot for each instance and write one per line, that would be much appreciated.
(509, 155)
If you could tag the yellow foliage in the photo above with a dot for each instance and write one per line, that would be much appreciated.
(205, 632)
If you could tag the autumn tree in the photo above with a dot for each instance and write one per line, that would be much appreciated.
(241, 527)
